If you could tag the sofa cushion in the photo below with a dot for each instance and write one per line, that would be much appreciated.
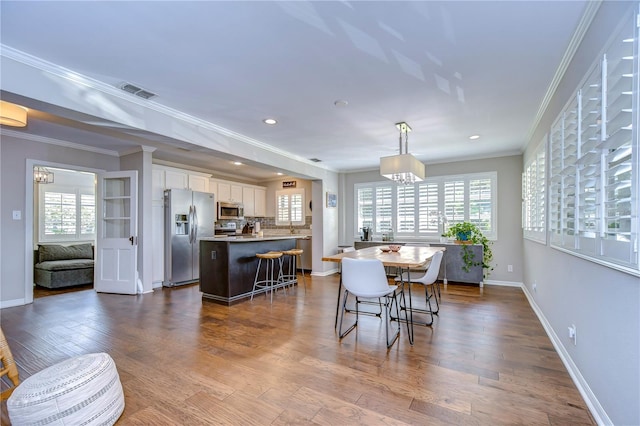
(63, 265)
(49, 252)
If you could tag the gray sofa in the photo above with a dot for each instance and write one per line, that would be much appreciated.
(63, 266)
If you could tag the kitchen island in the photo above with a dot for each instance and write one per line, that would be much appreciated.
(228, 264)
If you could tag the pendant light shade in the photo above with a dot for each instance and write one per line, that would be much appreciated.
(403, 168)
(12, 114)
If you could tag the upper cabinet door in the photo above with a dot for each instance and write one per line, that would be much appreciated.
(248, 200)
(260, 203)
(176, 180)
(198, 183)
(224, 192)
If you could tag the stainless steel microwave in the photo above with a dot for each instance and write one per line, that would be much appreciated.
(230, 210)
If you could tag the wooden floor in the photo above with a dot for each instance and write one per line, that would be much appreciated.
(486, 360)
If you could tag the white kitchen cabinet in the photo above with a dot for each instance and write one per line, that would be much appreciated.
(213, 188)
(157, 184)
(176, 179)
(157, 241)
(260, 202)
(248, 201)
(229, 192)
(198, 183)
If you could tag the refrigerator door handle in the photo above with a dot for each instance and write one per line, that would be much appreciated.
(190, 224)
(195, 225)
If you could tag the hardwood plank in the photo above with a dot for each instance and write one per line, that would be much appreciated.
(486, 359)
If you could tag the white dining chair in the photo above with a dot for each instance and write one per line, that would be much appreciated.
(428, 279)
(366, 278)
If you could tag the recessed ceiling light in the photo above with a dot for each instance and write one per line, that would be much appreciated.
(237, 163)
(341, 103)
(474, 137)
(280, 174)
(270, 121)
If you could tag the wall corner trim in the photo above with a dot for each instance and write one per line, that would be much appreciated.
(12, 303)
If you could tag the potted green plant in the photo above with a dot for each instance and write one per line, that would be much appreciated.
(468, 233)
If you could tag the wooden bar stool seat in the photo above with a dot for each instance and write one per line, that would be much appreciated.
(269, 283)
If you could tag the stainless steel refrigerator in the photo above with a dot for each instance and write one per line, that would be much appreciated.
(189, 216)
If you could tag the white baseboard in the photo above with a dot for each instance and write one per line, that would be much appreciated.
(325, 273)
(598, 413)
(156, 284)
(504, 283)
(12, 303)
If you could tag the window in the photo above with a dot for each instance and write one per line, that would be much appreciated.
(533, 197)
(67, 212)
(290, 207)
(594, 176)
(419, 210)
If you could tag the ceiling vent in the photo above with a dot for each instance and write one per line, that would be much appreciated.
(315, 160)
(138, 91)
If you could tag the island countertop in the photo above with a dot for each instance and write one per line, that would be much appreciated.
(248, 238)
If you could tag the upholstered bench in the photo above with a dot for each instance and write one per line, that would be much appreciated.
(62, 266)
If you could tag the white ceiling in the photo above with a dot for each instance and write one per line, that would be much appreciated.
(450, 69)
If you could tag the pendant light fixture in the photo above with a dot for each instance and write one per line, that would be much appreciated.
(42, 175)
(403, 168)
(12, 114)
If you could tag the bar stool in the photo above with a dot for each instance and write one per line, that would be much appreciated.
(268, 282)
(291, 277)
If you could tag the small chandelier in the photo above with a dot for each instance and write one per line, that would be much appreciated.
(403, 168)
(12, 114)
(42, 175)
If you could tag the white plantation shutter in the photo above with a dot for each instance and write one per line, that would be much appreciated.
(87, 215)
(428, 207)
(66, 214)
(384, 209)
(290, 207)
(620, 150)
(414, 210)
(533, 196)
(454, 201)
(59, 213)
(594, 176)
(480, 202)
(364, 203)
(406, 209)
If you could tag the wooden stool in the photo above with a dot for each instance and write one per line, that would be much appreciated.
(291, 277)
(268, 283)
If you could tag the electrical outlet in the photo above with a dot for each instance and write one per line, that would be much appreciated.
(509, 268)
(573, 334)
(17, 215)
(535, 287)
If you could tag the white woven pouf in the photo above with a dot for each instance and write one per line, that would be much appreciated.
(82, 390)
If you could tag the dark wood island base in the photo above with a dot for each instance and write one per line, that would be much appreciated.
(228, 265)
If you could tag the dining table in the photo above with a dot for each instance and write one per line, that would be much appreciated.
(405, 259)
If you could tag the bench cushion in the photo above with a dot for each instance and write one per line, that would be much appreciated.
(50, 252)
(63, 265)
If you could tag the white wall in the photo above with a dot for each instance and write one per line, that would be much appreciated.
(603, 303)
(507, 249)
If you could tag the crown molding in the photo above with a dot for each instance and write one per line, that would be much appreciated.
(58, 142)
(49, 67)
(584, 24)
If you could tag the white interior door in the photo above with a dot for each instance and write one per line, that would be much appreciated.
(116, 242)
